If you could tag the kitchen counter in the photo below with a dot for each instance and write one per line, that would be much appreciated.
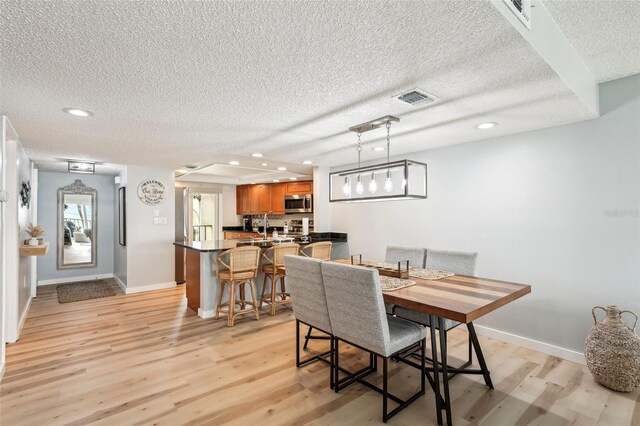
(220, 245)
(202, 285)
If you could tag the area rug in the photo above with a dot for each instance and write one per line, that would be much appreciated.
(84, 290)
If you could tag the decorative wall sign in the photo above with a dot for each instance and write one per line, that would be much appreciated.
(151, 192)
(25, 194)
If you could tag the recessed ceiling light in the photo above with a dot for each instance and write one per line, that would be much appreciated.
(379, 148)
(487, 125)
(276, 180)
(282, 169)
(77, 112)
(253, 183)
(264, 164)
(234, 163)
(257, 155)
(307, 162)
(293, 178)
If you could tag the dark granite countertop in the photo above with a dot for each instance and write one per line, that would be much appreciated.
(220, 245)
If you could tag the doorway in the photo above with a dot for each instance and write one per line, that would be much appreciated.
(205, 217)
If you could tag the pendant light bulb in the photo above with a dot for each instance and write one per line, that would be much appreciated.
(346, 189)
(359, 187)
(373, 185)
(388, 185)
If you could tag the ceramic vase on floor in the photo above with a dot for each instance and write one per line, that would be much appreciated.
(612, 351)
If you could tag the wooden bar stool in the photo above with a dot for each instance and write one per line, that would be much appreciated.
(239, 270)
(274, 270)
(322, 251)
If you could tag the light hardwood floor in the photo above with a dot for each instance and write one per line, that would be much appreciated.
(147, 359)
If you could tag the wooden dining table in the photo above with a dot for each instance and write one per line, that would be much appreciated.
(460, 298)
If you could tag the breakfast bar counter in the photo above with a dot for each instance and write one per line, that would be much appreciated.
(202, 285)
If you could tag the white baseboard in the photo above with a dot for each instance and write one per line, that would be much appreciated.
(75, 279)
(206, 313)
(122, 285)
(545, 348)
(150, 287)
(23, 318)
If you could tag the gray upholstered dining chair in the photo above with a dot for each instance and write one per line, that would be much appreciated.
(457, 262)
(356, 311)
(320, 250)
(395, 254)
(414, 255)
(304, 277)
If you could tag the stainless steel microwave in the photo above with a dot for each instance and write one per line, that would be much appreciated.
(298, 203)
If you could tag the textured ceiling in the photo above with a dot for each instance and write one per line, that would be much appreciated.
(605, 33)
(175, 83)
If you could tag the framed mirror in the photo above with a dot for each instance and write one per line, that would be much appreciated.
(77, 226)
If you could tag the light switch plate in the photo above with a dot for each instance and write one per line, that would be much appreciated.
(156, 221)
(163, 220)
(156, 212)
(4, 196)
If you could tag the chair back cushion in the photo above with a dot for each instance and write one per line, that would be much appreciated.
(320, 250)
(277, 253)
(356, 308)
(243, 259)
(414, 255)
(304, 279)
(457, 262)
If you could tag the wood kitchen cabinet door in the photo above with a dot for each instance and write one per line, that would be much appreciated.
(304, 187)
(253, 205)
(241, 199)
(263, 195)
(278, 192)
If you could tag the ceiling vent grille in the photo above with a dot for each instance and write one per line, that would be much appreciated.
(416, 96)
(189, 167)
(522, 10)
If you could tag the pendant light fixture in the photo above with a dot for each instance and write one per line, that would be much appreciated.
(403, 179)
(388, 183)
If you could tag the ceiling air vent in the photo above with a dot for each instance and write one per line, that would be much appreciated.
(415, 97)
(190, 167)
(522, 10)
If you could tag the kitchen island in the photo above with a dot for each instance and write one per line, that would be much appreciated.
(202, 286)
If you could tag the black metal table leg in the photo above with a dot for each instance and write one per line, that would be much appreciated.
(445, 372)
(478, 349)
(436, 379)
(297, 343)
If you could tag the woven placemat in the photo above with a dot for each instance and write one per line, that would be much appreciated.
(429, 274)
(425, 274)
(84, 290)
(392, 284)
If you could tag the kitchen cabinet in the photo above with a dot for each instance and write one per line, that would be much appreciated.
(264, 198)
(267, 198)
(238, 235)
(304, 187)
(277, 198)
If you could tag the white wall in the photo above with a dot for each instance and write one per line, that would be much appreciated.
(50, 182)
(150, 250)
(556, 208)
(119, 252)
(3, 310)
(321, 210)
(18, 292)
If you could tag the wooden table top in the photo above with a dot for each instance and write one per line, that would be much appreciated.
(459, 297)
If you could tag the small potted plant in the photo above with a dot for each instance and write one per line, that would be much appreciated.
(35, 231)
